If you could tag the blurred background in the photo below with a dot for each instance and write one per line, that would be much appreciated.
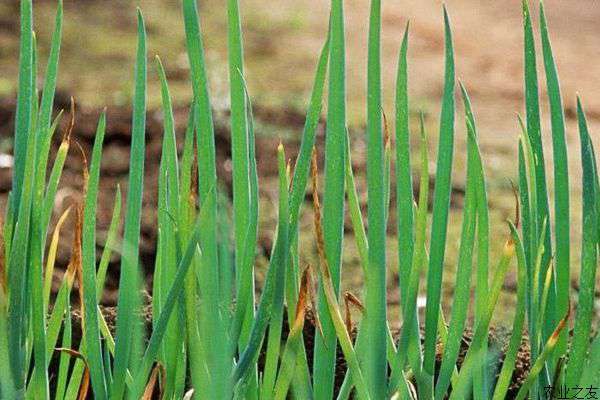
(282, 41)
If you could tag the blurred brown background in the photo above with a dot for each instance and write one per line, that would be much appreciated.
(282, 42)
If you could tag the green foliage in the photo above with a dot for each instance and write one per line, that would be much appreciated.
(128, 284)
(441, 205)
(207, 330)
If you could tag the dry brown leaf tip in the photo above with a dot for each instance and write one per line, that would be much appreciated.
(85, 380)
(150, 387)
(69, 130)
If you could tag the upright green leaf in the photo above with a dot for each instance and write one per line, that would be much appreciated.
(34, 291)
(532, 107)
(244, 239)
(109, 245)
(441, 204)
(167, 246)
(297, 194)
(538, 366)
(462, 384)
(333, 199)
(21, 203)
(508, 366)
(274, 279)
(171, 300)
(218, 359)
(25, 94)
(591, 373)
(404, 194)
(91, 331)
(561, 182)
(409, 303)
(483, 240)
(589, 256)
(375, 323)
(302, 166)
(49, 90)
(404, 188)
(63, 368)
(44, 128)
(169, 150)
(274, 339)
(53, 180)
(128, 285)
(462, 290)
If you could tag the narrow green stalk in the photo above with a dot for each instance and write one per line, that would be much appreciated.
(534, 131)
(244, 239)
(55, 174)
(404, 186)
(483, 239)
(218, 358)
(24, 144)
(58, 312)
(38, 384)
(462, 289)
(538, 366)
(7, 386)
(589, 256)
(274, 339)
(25, 94)
(302, 166)
(45, 130)
(173, 295)
(128, 285)
(194, 348)
(34, 311)
(47, 103)
(356, 216)
(408, 334)
(460, 387)
(404, 195)
(206, 156)
(561, 182)
(63, 367)
(508, 366)
(526, 214)
(169, 160)
(245, 304)
(167, 247)
(441, 204)
(109, 245)
(90, 326)
(591, 373)
(275, 280)
(18, 270)
(292, 347)
(329, 292)
(374, 357)
(297, 194)
(360, 238)
(333, 200)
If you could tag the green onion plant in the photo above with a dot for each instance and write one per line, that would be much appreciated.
(212, 336)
